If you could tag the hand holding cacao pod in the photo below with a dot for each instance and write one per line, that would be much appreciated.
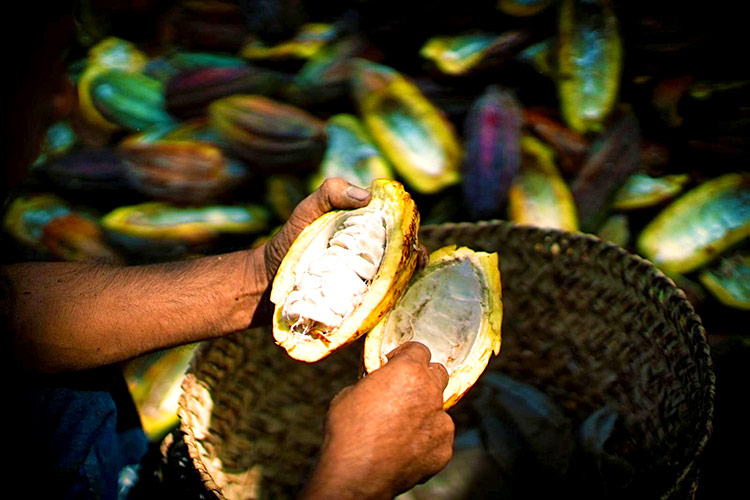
(334, 193)
(388, 432)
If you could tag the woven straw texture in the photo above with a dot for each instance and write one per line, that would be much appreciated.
(584, 321)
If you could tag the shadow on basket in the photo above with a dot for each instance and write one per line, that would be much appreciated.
(604, 383)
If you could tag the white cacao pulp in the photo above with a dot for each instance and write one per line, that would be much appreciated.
(335, 280)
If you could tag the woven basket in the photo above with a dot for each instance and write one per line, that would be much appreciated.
(584, 321)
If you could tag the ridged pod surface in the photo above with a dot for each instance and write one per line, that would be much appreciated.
(183, 164)
(114, 98)
(460, 54)
(184, 158)
(268, 134)
(414, 135)
(699, 225)
(642, 190)
(189, 92)
(589, 62)
(344, 272)
(539, 196)
(350, 154)
(162, 222)
(493, 156)
(729, 279)
(454, 307)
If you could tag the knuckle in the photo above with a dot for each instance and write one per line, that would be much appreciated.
(419, 349)
(445, 454)
(332, 184)
(449, 427)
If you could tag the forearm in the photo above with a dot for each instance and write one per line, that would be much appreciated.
(70, 316)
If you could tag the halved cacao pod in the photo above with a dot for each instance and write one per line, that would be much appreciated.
(462, 54)
(344, 272)
(729, 279)
(155, 382)
(539, 196)
(413, 134)
(164, 229)
(641, 190)
(699, 225)
(589, 62)
(350, 154)
(454, 307)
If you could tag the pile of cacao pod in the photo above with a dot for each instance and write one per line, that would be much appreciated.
(201, 124)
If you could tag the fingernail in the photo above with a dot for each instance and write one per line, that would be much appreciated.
(357, 193)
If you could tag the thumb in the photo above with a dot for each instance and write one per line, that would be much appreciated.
(335, 193)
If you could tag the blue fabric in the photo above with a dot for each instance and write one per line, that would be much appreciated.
(82, 431)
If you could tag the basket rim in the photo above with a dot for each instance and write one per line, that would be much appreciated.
(702, 355)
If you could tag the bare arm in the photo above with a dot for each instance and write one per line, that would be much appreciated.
(72, 316)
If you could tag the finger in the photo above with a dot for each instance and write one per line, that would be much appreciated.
(411, 350)
(334, 193)
(440, 374)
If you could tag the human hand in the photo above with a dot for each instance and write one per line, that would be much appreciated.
(335, 193)
(386, 433)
